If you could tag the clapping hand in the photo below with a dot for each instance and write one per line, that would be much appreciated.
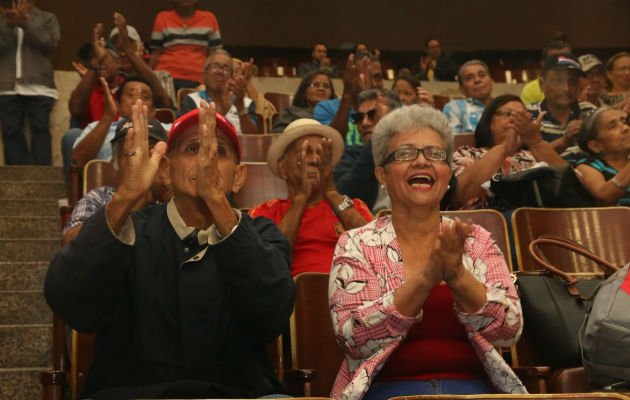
(210, 182)
(445, 261)
(325, 165)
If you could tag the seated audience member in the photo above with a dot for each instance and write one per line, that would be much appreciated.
(476, 85)
(28, 39)
(315, 87)
(354, 174)
(315, 214)
(98, 197)
(181, 41)
(605, 137)
(419, 301)
(227, 91)
(248, 69)
(594, 84)
(436, 65)
(504, 129)
(562, 110)
(131, 50)
(364, 48)
(410, 91)
(94, 141)
(618, 74)
(363, 72)
(321, 62)
(532, 92)
(173, 292)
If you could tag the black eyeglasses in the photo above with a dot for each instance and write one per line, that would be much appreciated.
(222, 67)
(431, 153)
(358, 117)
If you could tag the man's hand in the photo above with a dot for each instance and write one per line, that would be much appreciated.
(248, 70)
(80, 68)
(424, 97)
(18, 14)
(299, 179)
(324, 163)
(98, 44)
(355, 77)
(325, 62)
(123, 41)
(139, 171)
(210, 182)
(528, 130)
(570, 136)
(111, 108)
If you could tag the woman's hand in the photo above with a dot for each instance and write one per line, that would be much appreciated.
(451, 245)
(424, 97)
(528, 130)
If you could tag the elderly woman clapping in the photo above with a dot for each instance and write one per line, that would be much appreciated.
(417, 300)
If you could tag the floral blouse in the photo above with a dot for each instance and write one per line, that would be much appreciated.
(367, 269)
(465, 156)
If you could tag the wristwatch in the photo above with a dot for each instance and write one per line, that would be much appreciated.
(345, 204)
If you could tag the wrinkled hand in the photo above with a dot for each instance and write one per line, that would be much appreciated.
(98, 43)
(570, 136)
(236, 86)
(446, 256)
(138, 173)
(324, 163)
(528, 130)
(248, 70)
(424, 97)
(123, 41)
(355, 77)
(18, 14)
(111, 108)
(80, 68)
(299, 179)
(210, 182)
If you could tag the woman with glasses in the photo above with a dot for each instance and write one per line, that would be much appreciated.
(618, 74)
(418, 301)
(605, 137)
(503, 129)
(314, 87)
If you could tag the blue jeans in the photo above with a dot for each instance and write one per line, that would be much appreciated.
(385, 390)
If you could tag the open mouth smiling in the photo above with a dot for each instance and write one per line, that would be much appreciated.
(421, 182)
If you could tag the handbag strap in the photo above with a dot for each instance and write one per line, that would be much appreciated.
(559, 241)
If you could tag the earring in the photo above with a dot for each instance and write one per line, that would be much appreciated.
(383, 186)
(448, 187)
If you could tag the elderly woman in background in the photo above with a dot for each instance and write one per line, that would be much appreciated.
(418, 301)
(410, 91)
(503, 129)
(314, 87)
(618, 74)
(605, 137)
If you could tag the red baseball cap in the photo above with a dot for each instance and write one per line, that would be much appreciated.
(192, 119)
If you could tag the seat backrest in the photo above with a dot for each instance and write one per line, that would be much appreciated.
(255, 147)
(313, 341)
(99, 173)
(165, 115)
(464, 139)
(440, 101)
(279, 100)
(181, 94)
(603, 230)
(554, 396)
(261, 185)
(493, 221)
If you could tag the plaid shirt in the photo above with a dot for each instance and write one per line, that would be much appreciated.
(366, 272)
(463, 114)
(89, 204)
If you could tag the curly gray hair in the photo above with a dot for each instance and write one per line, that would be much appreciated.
(404, 119)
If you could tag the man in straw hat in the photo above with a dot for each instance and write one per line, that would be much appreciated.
(184, 296)
(315, 214)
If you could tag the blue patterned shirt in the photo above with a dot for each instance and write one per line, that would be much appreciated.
(463, 114)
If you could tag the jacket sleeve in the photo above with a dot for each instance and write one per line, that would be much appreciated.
(42, 33)
(8, 35)
(188, 104)
(499, 321)
(354, 174)
(255, 261)
(363, 313)
(84, 280)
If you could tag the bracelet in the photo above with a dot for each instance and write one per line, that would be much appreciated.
(617, 183)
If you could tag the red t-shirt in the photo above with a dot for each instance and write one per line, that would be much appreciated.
(184, 45)
(317, 236)
(436, 347)
(96, 103)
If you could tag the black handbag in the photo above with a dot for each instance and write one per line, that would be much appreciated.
(539, 187)
(554, 303)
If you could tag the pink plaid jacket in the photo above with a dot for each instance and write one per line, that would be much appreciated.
(367, 269)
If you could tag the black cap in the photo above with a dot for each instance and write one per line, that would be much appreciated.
(156, 131)
(562, 61)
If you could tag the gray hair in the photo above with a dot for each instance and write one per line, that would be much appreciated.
(407, 118)
(393, 101)
(460, 73)
(217, 51)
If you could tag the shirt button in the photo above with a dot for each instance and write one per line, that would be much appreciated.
(186, 249)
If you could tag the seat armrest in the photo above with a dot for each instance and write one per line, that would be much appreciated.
(534, 378)
(52, 385)
(298, 381)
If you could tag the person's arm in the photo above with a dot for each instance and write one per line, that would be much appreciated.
(607, 192)
(237, 86)
(529, 132)
(350, 217)
(88, 147)
(44, 36)
(155, 57)
(353, 81)
(138, 64)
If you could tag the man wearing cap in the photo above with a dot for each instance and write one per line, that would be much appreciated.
(97, 198)
(184, 296)
(594, 85)
(563, 112)
(315, 214)
(94, 140)
(532, 92)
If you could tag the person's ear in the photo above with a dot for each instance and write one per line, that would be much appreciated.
(240, 176)
(594, 146)
(380, 176)
(282, 169)
(461, 89)
(164, 171)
